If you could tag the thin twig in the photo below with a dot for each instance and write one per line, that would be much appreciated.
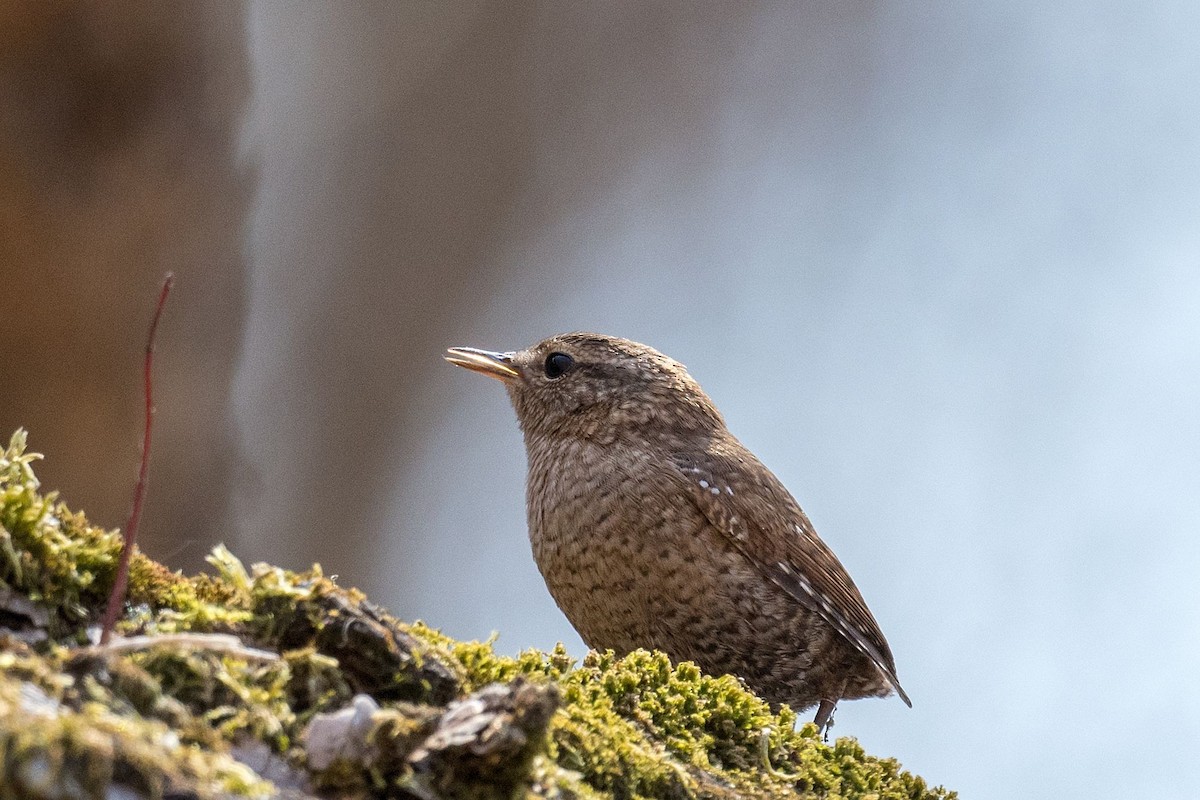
(116, 600)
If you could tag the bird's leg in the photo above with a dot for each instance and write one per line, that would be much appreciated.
(824, 718)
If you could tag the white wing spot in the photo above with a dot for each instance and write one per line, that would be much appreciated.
(703, 484)
(715, 490)
(729, 491)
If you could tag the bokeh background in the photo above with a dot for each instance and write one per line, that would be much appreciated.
(938, 263)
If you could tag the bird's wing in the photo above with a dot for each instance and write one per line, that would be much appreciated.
(747, 503)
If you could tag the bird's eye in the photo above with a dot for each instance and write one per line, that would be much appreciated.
(558, 364)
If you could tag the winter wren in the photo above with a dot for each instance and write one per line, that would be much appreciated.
(654, 527)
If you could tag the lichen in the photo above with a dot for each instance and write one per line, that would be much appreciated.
(445, 719)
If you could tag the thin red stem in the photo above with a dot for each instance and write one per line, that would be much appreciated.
(116, 599)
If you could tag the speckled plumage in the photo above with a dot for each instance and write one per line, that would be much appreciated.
(654, 527)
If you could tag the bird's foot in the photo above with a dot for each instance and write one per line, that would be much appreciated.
(824, 718)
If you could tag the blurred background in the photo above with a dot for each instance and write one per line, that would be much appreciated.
(938, 264)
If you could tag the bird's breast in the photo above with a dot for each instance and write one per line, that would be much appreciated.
(583, 502)
(605, 529)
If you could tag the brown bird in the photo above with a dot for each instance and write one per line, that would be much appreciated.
(654, 527)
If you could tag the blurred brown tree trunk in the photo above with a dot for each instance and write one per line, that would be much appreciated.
(118, 126)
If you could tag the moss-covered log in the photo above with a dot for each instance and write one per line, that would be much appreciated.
(322, 694)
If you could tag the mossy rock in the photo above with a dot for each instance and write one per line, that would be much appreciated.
(234, 684)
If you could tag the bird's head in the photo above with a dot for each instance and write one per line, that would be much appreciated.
(597, 387)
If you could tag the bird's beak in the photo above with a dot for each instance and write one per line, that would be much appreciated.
(494, 365)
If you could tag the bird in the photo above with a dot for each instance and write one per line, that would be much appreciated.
(655, 527)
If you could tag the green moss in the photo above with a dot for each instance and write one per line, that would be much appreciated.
(65, 737)
(639, 726)
(455, 719)
(47, 553)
